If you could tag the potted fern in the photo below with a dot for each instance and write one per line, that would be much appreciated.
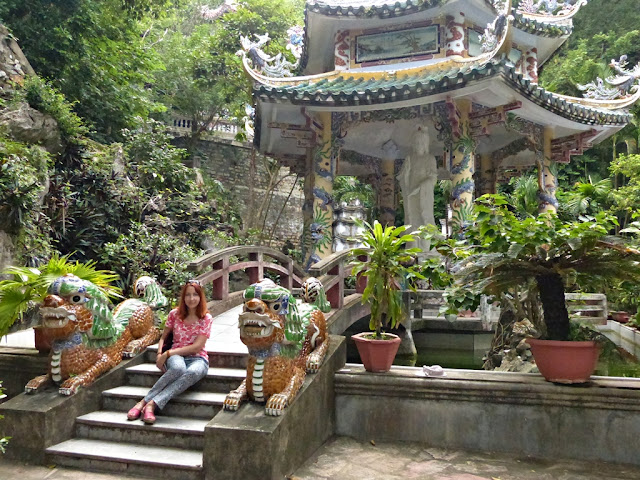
(388, 267)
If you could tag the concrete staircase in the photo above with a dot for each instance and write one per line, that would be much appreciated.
(169, 449)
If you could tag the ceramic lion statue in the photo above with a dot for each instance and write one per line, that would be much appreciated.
(88, 338)
(286, 339)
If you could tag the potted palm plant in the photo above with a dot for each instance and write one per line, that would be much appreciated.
(511, 252)
(26, 287)
(388, 268)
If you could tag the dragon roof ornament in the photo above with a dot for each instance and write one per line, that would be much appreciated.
(278, 65)
(497, 30)
(212, 14)
(620, 86)
(550, 7)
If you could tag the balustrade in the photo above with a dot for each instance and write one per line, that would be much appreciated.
(214, 269)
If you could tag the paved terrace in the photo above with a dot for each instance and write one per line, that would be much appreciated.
(344, 458)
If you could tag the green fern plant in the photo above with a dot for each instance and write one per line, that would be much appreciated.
(28, 286)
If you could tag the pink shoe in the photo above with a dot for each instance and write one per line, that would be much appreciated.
(148, 417)
(135, 412)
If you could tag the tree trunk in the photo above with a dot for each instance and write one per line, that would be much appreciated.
(556, 316)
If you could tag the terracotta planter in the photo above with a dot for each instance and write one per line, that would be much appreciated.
(565, 362)
(377, 355)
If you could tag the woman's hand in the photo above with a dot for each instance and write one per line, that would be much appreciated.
(161, 360)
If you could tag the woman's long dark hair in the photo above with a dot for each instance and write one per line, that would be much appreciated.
(201, 309)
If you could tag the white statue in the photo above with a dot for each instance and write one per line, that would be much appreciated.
(417, 178)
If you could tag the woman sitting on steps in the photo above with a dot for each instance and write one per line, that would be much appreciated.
(186, 361)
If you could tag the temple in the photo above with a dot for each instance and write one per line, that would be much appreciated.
(413, 91)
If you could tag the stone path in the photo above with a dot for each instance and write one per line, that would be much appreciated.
(346, 459)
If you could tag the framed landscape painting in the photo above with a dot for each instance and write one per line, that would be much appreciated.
(397, 44)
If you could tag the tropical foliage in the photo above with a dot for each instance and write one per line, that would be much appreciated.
(27, 286)
(388, 267)
(509, 252)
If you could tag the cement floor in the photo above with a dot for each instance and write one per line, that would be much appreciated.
(347, 459)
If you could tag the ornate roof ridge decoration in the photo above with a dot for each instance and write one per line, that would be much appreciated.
(533, 22)
(624, 85)
(212, 14)
(542, 28)
(496, 32)
(371, 8)
(549, 11)
(277, 66)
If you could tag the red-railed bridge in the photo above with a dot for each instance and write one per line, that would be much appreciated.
(214, 271)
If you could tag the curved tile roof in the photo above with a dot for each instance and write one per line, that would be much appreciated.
(346, 89)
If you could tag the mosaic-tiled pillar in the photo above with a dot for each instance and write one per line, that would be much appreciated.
(454, 35)
(387, 190)
(547, 181)
(318, 190)
(487, 177)
(462, 168)
(530, 64)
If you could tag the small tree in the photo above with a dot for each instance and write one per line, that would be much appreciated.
(388, 268)
(510, 252)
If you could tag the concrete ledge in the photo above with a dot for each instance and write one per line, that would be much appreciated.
(248, 444)
(437, 323)
(622, 335)
(18, 366)
(46, 418)
(492, 411)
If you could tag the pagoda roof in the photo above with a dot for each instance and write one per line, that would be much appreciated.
(397, 8)
(323, 18)
(337, 90)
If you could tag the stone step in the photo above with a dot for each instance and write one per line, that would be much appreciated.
(234, 356)
(128, 458)
(190, 404)
(168, 431)
(217, 379)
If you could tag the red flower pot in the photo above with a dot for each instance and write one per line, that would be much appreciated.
(377, 355)
(563, 361)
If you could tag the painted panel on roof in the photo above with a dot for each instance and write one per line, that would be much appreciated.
(397, 44)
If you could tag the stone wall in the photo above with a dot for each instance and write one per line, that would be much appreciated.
(229, 162)
(515, 413)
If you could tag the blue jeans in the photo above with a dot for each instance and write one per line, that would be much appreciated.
(182, 372)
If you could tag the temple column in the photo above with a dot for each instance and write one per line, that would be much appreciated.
(387, 190)
(487, 181)
(454, 32)
(547, 182)
(462, 167)
(317, 235)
